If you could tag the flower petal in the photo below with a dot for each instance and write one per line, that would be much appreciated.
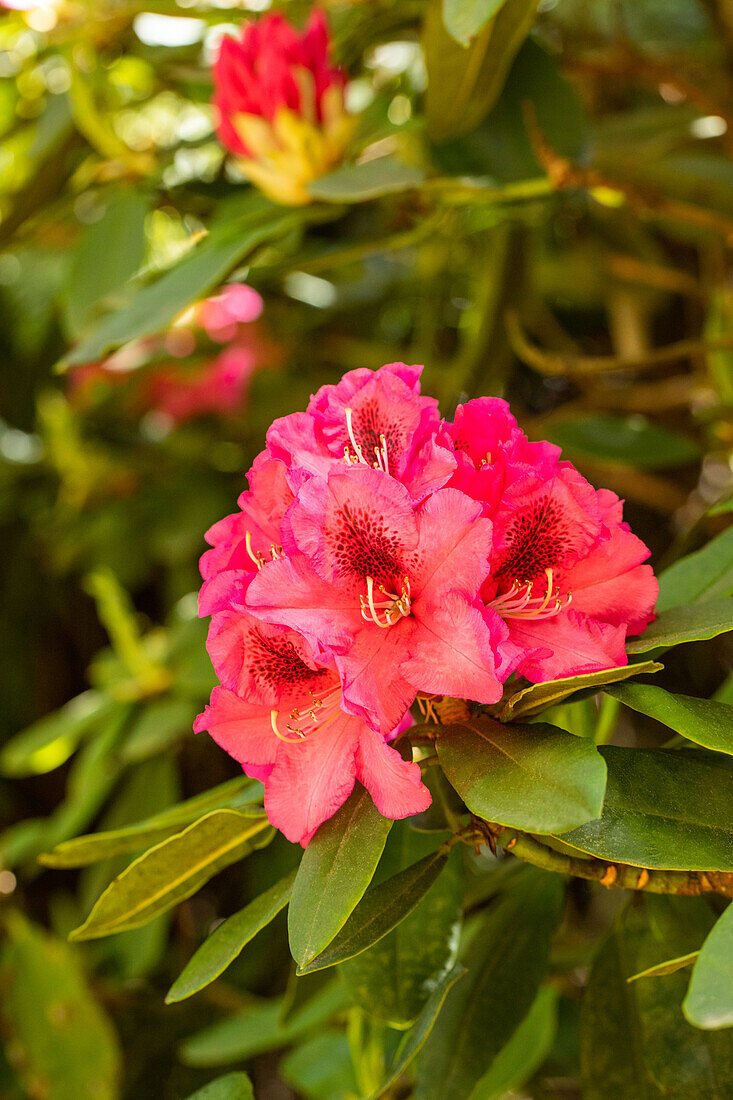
(395, 784)
(242, 729)
(452, 651)
(576, 643)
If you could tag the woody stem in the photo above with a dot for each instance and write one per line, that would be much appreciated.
(608, 874)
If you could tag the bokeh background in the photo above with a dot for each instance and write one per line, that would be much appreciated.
(546, 216)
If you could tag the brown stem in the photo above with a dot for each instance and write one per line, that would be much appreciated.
(608, 874)
(561, 363)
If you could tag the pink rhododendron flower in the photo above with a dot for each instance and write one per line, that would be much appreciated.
(279, 715)
(567, 577)
(397, 557)
(377, 419)
(389, 588)
(280, 105)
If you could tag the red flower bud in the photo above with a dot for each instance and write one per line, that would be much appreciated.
(280, 105)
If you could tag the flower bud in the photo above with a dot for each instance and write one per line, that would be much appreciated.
(280, 105)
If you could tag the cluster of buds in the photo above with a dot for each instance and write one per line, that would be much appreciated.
(280, 105)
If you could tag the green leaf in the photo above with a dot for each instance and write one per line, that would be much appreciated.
(664, 809)
(230, 938)
(108, 254)
(259, 1029)
(156, 304)
(66, 1047)
(524, 1053)
(685, 624)
(537, 777)
(49, 743)
(506, 963)
(361, 182)
(705, 575)
(171, 872)
(537, 697)
(235, 794)
(233, 1086)
(321, 1068)
(631, 442)
(704, 721)
(414, 1040)
(669, 966)
(380, 910)
(464, 19)
(635, 1041)
(158, 726)
(392, 979)
(464, 84)
(709, 1000)
(336, 868)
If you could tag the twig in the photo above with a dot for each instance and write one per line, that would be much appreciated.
(561, 363)
(609, 874)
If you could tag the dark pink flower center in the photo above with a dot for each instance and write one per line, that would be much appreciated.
(276, 664)
(537, 540)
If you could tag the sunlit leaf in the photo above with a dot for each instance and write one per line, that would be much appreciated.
(538, 697)
(360, 182)
(233, 1086)
(171, 872)
(465, 18)
(705, 575)
(685, 624)
(534, 777)
(707, 722)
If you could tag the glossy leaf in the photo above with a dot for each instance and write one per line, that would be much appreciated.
(465, 83)
(233, 1086)
(171, 872)
(415, 1038)
(465, 18)
(392, 979)
(234, 794)
(709, 1000)
(360, 182)
(634, 1038)
(259, 1029)
(537, 697)
(665, 809)
(524, 1053)
(227, 940)
(685, 624)
(704, 721)
(705, 575)
(633, 442)
(64, 1042)
(380, 910)
(336, 868)
(156, 304)
(506, 963)
(537, 777)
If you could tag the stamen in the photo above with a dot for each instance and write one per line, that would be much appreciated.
(255, 555)
(352, 437)
(512, 605)
(276, 731)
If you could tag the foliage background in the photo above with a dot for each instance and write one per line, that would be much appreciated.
(530, 216)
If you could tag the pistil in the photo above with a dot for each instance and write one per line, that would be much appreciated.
(309, 717)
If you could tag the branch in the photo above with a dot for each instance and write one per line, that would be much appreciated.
(607, 873)
(563, 363)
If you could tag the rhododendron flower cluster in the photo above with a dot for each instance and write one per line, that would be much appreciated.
(280, 105)
(178, 375)
(382, 556)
